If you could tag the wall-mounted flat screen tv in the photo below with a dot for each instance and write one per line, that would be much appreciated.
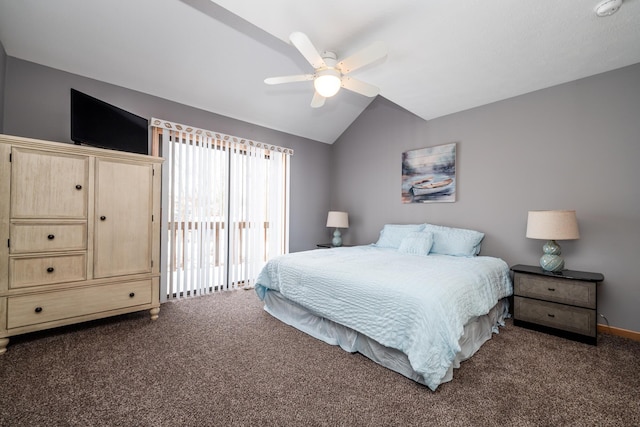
(99, 124)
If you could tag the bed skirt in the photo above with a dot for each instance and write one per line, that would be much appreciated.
(476, 332)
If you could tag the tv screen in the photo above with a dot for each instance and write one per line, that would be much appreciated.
(96, 123)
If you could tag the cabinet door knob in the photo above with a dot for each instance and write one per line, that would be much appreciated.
(51, 237)
(78, 187)
(50, 270)
(551, 289)
(38, 309)
(132, 294)
(102, 218)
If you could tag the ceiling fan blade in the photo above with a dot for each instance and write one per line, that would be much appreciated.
(317, 101)
(288, 79)
(366, 56)
(307, 49)
(359, 86)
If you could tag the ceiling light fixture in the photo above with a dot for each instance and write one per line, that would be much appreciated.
(330, 75)
(328, 82)
(608, 7)
(328, 79)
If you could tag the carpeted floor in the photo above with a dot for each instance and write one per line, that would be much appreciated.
(221, 360)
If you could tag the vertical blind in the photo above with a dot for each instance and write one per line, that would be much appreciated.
(225, 208)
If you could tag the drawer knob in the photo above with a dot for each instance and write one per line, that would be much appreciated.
(78, 187)
(50, 270)
(132, 294)
(51, 237)
(102, 218)
(38, 309)
(551, 315)
(551, 289)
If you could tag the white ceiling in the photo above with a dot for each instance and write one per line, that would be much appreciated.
(444, 55)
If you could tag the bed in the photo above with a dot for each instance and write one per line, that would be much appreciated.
(419, 301)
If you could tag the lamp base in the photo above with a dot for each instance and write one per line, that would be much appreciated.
(337, 238)
(551, 260)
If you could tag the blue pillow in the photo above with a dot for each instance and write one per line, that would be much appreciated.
(417, 243)
(454, 241)
(391, 235)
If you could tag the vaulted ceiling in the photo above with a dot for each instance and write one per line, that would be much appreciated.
(444, 56)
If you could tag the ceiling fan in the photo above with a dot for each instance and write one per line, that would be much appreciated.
(330, 74)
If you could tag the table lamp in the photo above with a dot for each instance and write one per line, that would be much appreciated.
(552, 226)
(338, 220)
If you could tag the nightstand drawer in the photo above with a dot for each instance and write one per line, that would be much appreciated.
(573, 292)
(572, 319)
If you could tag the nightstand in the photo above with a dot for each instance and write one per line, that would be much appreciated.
(329, 245)
(563, 303)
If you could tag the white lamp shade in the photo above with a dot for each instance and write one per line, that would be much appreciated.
(552, 225)
(337, 219)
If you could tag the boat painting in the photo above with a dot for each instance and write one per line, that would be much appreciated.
(429, 174)
(428, 186)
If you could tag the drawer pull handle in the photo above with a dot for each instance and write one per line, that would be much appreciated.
(132, 294)
(51, 237)
(38, 309)
(551, 315)
(552, 289)
(102, 218)
(50, 270)
(78, 187)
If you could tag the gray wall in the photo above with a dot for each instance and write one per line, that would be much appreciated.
(37, 106)
(573, 146)
(3, 63)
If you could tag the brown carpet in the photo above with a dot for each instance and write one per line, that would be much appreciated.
(221, 360)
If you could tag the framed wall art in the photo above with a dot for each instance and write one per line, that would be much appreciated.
(429, 174)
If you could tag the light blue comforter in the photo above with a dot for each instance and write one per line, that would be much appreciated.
(416, 304)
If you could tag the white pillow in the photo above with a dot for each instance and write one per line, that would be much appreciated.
(417, 243)
(391, 235)
(454, 241)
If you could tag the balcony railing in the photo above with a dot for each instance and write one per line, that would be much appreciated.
(205, 241)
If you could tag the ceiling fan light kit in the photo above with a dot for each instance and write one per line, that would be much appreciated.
(329, 74)
(328, 82)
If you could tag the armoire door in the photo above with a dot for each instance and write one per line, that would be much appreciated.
(122, 223)
(48, 185)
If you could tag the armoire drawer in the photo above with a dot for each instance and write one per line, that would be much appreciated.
(30, 238)
(35, 271)
(57, 305)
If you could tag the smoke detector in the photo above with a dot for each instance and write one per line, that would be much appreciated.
(608, 7)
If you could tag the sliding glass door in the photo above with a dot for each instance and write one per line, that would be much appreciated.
(226, 210)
